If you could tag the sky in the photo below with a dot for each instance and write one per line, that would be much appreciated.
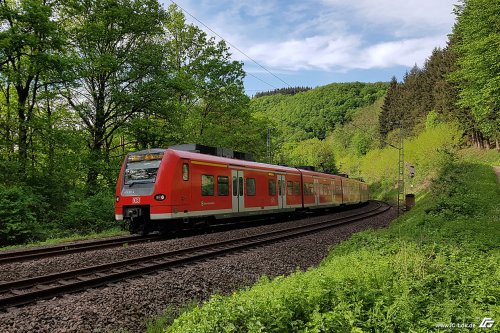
(317, 42)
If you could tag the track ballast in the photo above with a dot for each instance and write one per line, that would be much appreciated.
(25, 291)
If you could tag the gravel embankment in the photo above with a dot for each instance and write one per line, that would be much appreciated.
(127, 304)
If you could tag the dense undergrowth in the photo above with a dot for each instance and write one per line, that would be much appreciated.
(27, 218)
(437, 264)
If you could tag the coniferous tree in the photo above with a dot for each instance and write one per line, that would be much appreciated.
(389, 109)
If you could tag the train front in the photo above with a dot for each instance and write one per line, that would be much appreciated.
(137, 190)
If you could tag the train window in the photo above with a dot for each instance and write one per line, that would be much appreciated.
(280, 184)
(222, 185)
(272, 187)
(308, 189)
(240, 184)
(185, 171)
(251, 186)
(207, 185)
(339, 189)
(289, 188)
(296, 188)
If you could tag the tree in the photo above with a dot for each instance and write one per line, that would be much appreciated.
(118, 70)
(206, 94)
(477, 35)
(390, 109)
(313, 152)
(211, 84)
(30, 45)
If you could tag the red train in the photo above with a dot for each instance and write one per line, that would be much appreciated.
(164, 189)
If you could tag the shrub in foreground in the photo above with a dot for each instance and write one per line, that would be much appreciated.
(438, 264)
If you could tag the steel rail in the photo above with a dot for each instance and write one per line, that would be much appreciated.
(25, 291)
(50, 251)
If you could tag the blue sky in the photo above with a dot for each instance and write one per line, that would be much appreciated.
(316, 42)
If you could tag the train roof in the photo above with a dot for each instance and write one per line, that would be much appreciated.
(231, 161)
(148, 151)
(243, 163)
(236, 162)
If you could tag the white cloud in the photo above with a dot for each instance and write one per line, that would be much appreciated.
(405, 16)
(343, 53)
(400, 53)
(330, 35)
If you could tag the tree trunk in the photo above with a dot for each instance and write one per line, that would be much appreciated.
(9, 137)
(481, 140)
(475, 140)
(98, 133)
(24, 113)
(51, 148)
(23, 134)
(93, 171)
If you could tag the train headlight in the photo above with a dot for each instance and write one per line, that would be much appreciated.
(160, 197)
(117, 198)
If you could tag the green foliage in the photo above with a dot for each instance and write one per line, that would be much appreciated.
(424, 270)
(428, 152)
(31, 48)
(84, 82)
(312, 152)
(283, 91)
(431, 120)
(360, 135)
(487, 157)
(93, 214)
(477, 34)
(460, 82)
(20, 210)
(117, 69)
(315, 112)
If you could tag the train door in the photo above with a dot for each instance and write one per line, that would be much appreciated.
(281, 191)
(331, 194)
(238, 191)
(316, 191)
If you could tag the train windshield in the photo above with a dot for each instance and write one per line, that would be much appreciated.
(141, 172)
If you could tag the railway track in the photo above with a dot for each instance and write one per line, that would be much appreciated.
(51, 251)
(20, 292)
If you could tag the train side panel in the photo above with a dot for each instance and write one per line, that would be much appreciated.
(191, 186)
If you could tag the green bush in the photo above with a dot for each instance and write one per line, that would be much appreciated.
(89, 215)
(19, 208)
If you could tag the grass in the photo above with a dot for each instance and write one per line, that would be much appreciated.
(54, 241)
(488, 157)
(437, 264)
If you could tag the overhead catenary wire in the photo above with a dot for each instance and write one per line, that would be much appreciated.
(236, 48)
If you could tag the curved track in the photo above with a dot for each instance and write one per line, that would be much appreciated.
(51, 251)
(21, 292)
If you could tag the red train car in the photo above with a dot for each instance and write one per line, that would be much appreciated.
(163, 189)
